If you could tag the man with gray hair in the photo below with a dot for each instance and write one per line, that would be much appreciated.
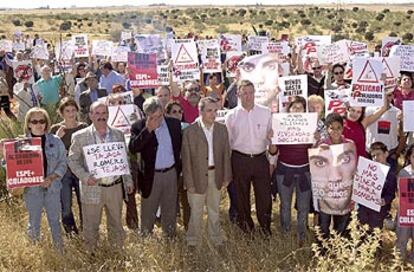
(158, 140)
(48, 86)
(99, 193)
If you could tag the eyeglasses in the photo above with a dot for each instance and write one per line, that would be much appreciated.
(317, 68)
(35, 122)
(176, 111)
(193, 90)
(339, 73)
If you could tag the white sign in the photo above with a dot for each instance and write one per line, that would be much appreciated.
(18, 46)
(102, 48)
(406, 54)
(290, 87)
(408, 113)
(369, 181)
(337, 101)
(314, 39)
(387, 44)
(391, 66)
(294, 128)
(210, 56)
(65, 50)
(23, 71)
(6, 45)
(334, 53)
(122, 117)
(40, 52)
(257, 43)
(107, 159)
(367, 86)
(126, 36)
(163, 75)
(185, 60)
(80, 43)
(230, 42)
(120, 53)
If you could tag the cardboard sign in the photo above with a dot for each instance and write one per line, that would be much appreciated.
(143, 70)
(337, 101)
(23, 71)
(120, 53)
(369, 181)
(337, 52)
(163, 72)
(6, 45)
(65, 50)
(387, 44)
(408, 113)
(102, 48)
(290, 87)
(120, 117)
(367, 86)
(406, 212)
(210, 56)
(185, 60)
(406, 54)
(107, 159)
(257, 43)
(40, 52)
(332, 169)
(230, 42)
(294, 128)
(24, 166)
(80, 43)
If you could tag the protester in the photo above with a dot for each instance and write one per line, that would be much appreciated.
(109, 77)
(190, 100)
(90, 96)
(163, 94)
(68, 110)
(48, 87)
(4, 96)
(203, 178)
(405, 91)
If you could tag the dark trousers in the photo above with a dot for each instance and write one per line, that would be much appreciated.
(231, 190)
(70, 182)
(340, 223)
(248, 170)
(370, 217)
(5, 105)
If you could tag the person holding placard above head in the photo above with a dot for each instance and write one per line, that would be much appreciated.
(405, 233)
(292, 173)
(379, 153)
(332, 167)
(107, 190)
(338, 81)
(250, 130)
(189, 102)
(405, 91)
(47, 195)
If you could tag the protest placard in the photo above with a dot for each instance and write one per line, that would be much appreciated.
(406, 54)
(313, 39)
(127, 98)
(309, 46)
(80, 43)
(121, 117)
(337, 52)
(408, 113)
(367, 86)
(290, 87)
(163, 72)
(185, 60)
(230, 42)
(19, 46)
(126, 35)
(337, 101)
(232, 60)
(40, 52)
(64, 50)
(151, 43)
(6, 45)
(369, 181)
(120, 53)
(143, 70)
(406, 209)
(221, 114)
(332, 169)
(24, 167)
(23, 71)
(102, 48)
(391, 70)
(357, 49)
(294, 128)
(257, 43)
(282, 49)
(106, 159)
(210, 56)
(387, 44)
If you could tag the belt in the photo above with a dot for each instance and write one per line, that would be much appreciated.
(249, 155)
(211, 167)
(163, 170)
(111, 184)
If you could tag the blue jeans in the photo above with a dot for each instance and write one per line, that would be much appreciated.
(37, 198)
(69, 182)
(303, 197)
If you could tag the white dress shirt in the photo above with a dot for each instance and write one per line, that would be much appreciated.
(248, 130)
(209, 135)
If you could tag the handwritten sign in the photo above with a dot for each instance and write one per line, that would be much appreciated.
(257, 43)
(24, 166)
(40, 52)
(290, 87)
(387, 44)
(333, 53)
(107, 159)
(294, 128)
(102, 48)
(367, 86)
(80, 45)
(406, 54)
(369, 181)
(64, 50)
(163, 72)
(406, 189)
(120, 53)
(143, 70)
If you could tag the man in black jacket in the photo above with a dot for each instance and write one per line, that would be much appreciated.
(158, 139)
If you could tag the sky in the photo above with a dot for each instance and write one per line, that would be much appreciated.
(96, 3)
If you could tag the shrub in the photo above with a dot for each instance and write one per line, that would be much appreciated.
(269, 22)
(90, 24)
(408, 36)
(17, 22)
(126, 25)
(355, 9)
(306, 22)
(380, 17)
(28, 24)
(369, 36)
(354, 25)
(397, 23)
(410, 11)
(393, 34)
(66, 25)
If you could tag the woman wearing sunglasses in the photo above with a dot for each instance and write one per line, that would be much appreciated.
(47, 195)
(338, 81)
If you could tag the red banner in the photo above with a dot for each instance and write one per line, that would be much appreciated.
(143, 70)
(24, 163)
(406, 218)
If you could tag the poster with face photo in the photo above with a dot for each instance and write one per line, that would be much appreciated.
(332, 169)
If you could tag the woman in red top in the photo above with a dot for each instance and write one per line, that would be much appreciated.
(404, 91)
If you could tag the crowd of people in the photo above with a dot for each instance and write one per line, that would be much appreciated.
(182, 154)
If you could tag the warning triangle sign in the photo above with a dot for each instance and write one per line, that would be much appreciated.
(368, 74)
(183, 57)
(387, 69)
(120, 119)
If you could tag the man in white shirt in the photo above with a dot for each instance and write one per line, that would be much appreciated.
(250, 130)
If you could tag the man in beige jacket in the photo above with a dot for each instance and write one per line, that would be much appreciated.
(206, 169)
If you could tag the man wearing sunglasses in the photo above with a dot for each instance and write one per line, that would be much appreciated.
(316, 79)
(189, 101)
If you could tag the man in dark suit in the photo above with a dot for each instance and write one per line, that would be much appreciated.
(89, 96)
(158, 139)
